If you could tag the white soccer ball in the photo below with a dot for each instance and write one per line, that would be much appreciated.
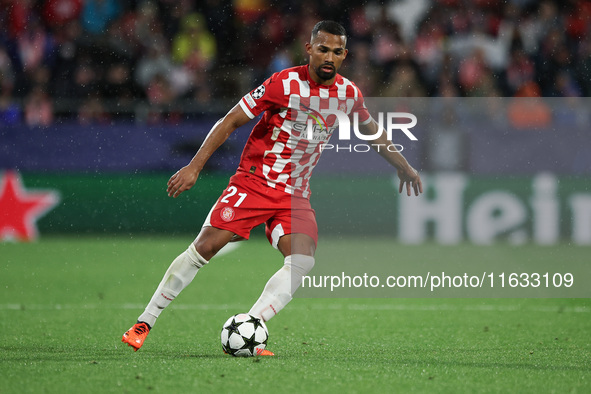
(244, 335)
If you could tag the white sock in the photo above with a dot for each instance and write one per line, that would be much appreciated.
(178, 276)
(280, 288)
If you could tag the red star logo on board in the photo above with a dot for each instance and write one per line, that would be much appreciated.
(20, 209)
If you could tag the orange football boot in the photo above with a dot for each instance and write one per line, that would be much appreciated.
(136, 335)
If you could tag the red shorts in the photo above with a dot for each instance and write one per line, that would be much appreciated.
(247, 202)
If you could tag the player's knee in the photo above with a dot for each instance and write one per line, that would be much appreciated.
(291, 244)
(210, 240)
(300, 263)
(197, 258)
(206, 248)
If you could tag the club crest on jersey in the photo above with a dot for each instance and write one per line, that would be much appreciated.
(258, 92)
(227, 214)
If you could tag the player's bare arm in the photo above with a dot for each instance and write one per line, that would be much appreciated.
(185, 178)
(408, 176)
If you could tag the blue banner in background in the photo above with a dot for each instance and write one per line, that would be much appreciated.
(118, 147)
(477, 136)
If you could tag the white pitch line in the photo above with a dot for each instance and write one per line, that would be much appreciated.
(318, 307)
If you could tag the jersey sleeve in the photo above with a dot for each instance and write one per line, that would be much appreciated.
(361, 109)
(268, 96)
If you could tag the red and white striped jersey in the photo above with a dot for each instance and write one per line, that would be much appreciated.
(285, 145)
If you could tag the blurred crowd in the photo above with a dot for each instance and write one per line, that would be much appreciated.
(158, 60)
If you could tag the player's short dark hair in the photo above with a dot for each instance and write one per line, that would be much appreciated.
(330, 27)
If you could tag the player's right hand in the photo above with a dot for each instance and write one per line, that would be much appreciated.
(181, 181)
(410, 177)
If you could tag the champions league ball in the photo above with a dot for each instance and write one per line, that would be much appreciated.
(244, 335)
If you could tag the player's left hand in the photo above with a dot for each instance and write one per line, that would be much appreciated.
(410, 177)
(181, 181)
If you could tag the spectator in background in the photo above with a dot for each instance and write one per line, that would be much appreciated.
(194, 51)
(565, 85)
(146, 27)
(156, 70)
(194, 46)
(361, 28)
(520, 71)
(301, 34)
(160, 96)
(92, 111)
(281, 60)
(58, 13)
(550, 59)
(119, 87)
(122, 38)
(35, 46)
(66, 59)
(97, 14)
(10, 112)
(38, 108)
(446, 87)
(428, 50)
(35, 50)
(578, 19)
(583, 68)
(447, 78)
(267, 35)
(386, 44)
(86, 78)
(360, 68)
(404, 81)
(202, 90)
(527, 111)
(159, 91)
(472, 73)
(18, 14)
(155, 60)
(40, 76)
(249, 11)
(170, 13)
(6, 70)
(547, 18)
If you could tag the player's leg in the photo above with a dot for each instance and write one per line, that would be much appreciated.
(301, 244)
(228, 220)
(178, 276)
(298, 251)
(183, 269)
(211, 239)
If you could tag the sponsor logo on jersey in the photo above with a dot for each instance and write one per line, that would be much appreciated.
(227, 214)
(318, 131)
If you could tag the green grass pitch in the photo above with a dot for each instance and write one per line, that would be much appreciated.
(66, 302)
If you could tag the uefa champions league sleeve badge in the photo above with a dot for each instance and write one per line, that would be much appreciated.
(258, 92)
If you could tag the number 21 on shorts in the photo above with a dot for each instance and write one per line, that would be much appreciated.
(232, 190)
